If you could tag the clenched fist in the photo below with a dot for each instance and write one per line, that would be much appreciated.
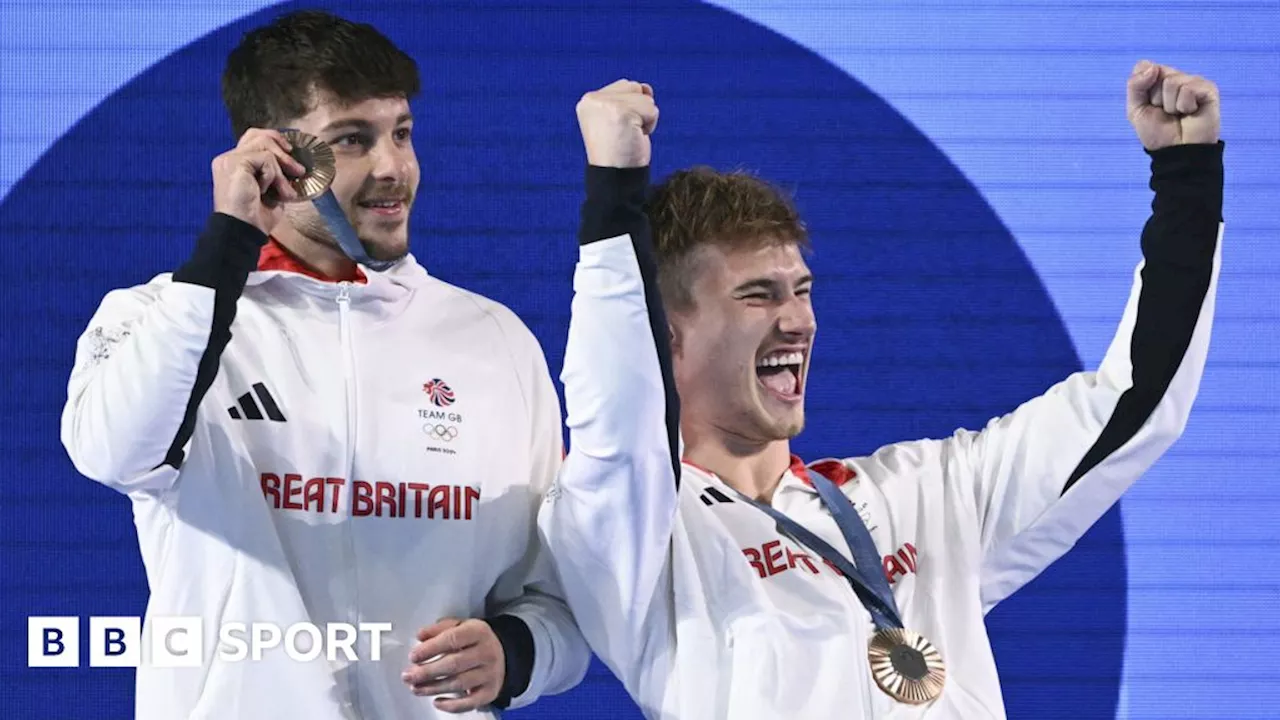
(1168, 107)
(616, 122)
(244, 175)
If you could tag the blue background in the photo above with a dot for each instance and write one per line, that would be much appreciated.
(975, 196)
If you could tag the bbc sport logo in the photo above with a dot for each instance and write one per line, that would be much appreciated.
(54, 642)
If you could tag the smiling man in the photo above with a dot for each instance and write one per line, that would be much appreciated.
(718, 575)
(323, 438)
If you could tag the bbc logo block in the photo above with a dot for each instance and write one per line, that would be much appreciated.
(115, 641)
(53, 642)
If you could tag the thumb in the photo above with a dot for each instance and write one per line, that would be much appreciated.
(1144, 77)
(441, 625)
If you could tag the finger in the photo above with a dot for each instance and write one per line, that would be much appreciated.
(445, 666)
(283, 158)
(1187, 99)
(424, 675)
(1141, 81)
(640, 104)
(1169, 86)
(462, 684)
(478, 698)
(440, 626)
(647, 89)
(280, 182)
(650, 122)
(287, 162)
(452, 640)
(262, 137)
(623, 86)
(1203, 91)
(645, 110)
(259, 139)
(262, 166)
(271, 179)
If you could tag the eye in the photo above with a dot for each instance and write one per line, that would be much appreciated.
(804, 291)
(402, 134)
(356, 139)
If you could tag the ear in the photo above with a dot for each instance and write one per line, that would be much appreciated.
(674, 335)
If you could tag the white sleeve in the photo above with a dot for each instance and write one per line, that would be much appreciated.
(1042, 475)
(531, 591)
(609, 519)
(146, 359)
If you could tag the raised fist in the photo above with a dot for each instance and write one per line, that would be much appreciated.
(616, 122)
(1168, 107)
(243, 176)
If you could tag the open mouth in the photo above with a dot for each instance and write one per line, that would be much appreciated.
(782, 373)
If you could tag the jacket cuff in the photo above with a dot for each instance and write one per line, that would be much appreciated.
(1187, 208)
(224, 255)
(1188, 173)
(518, 650)
(614, 204)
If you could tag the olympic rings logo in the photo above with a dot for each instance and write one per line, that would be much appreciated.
(440, 432)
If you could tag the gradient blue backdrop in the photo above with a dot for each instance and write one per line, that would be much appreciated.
(975, 198)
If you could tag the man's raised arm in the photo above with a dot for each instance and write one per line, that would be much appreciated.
(1042, 475)
(608, 521)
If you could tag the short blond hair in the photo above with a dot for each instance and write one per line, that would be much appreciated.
(702, 206)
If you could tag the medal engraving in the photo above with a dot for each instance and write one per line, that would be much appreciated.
(906, 666)
(317, 158)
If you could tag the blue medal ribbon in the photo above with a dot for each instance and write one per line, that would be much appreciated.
(341, 228)
(867, 576)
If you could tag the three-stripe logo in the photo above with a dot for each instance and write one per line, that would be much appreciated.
(712, 495)
(248, 409)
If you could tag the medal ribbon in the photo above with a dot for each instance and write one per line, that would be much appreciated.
(336, 220)
(341, 228)
(867, 577)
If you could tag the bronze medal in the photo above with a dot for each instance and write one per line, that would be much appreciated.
(317, 158)
(906, 666)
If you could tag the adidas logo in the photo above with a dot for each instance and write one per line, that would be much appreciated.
(712, 495)
(250, 408)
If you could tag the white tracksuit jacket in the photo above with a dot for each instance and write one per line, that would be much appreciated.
(298, 450)
(705, 611)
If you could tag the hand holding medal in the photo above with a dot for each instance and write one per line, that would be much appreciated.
(251, 180)
(269, 168)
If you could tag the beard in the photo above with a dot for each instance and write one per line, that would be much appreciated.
(312, 226)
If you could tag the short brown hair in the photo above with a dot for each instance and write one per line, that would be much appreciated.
(276, 72)
(702, 206)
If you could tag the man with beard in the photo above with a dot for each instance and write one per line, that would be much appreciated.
(718, 575)
(320, 436)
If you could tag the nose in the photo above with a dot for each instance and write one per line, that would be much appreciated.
(392, 161)
(797, 318)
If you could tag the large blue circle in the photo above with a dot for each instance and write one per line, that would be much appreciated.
(930, 317)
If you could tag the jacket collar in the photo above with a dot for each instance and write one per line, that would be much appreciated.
(275, 262)
(831, 469)
(275, 256)
(834, 470)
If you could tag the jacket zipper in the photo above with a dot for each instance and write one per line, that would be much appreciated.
(349, 386)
